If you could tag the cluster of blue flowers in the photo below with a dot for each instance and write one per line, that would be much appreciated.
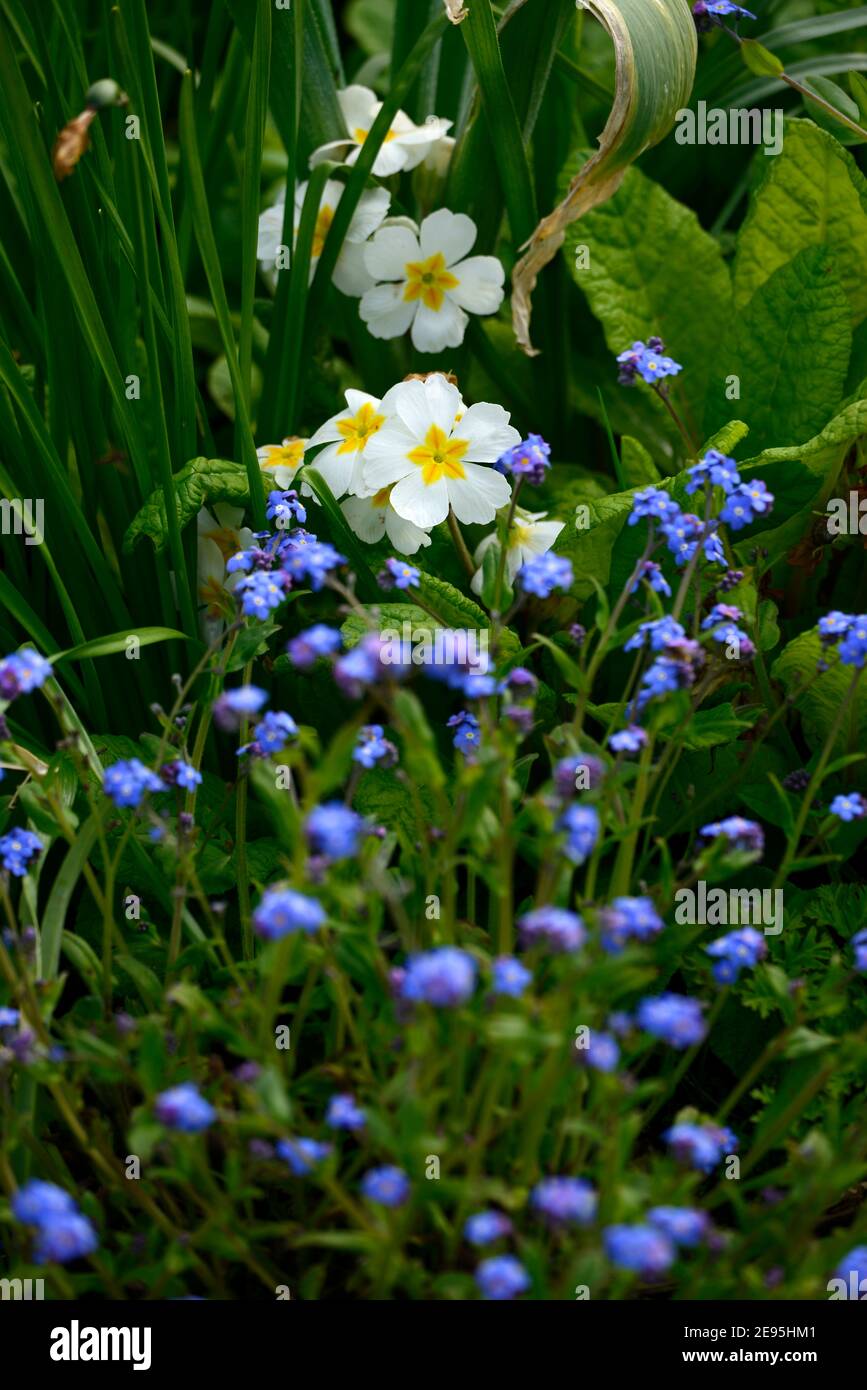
(580, 826)
(629, 919)
(334, 830)
(399, 574)
(647, 360)
(673, 1018)
(741, 835)
(650, 1248)
(529, 460)
(311, 645)
(18, 849)
(271, 735)
(555, 927)
(126, 782)
(23, 672)
(63, 1233)
(444, 977)
(282, 911)
(709, 14)
(736, 951)
(276, 562)
(302, 1155)
(848, 633)
(700, 1146)
(545, 573)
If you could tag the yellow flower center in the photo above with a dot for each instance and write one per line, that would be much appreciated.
(428, 281)
(289, 454)
(321, 230)
(357, 429)
(380, 499)
(518, 535)
(360, 135)
(439, 456)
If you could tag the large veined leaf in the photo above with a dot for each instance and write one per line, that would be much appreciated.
(673, 283)
(821, 457)
(813, 194)
(199, 483)
(822, 696)
(800, 312)
(655, 50)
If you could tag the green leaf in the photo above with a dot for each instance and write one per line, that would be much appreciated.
(510, 156)
(117, 642)
(195, 184)
(799, 313)
(636, 464)
(829, 91)
(655, 49)
(760, 60)
(819, 459)
(708, 728)
(727, 438)
(449, 604)
(819, 704)
(813, 194)
(200, 483)
(673, 283)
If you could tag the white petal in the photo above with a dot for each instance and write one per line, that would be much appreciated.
(436, 329)
(371, 210)
(331, 194)
(335, 468)
(514, 560)
(414, 500)
(327, 433)
(452, 233)
(481, 284)
(386, 312)
(270, 233)
(387, 254)
(486, 428)
(385, 457)
(359, 106)
(392, 159)
(480, 495)
(542, 536)
(368, 522)
(355, 399)
(350, 274)
(335, 149)
(483, 546)
(281, 477)
(420, 404)
(405, 536)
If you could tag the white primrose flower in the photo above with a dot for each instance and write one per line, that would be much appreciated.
(405, 145)
(430, 281)
(346, 435)
(432, 448)
(220, 535)
(529, 535)
(280, 462)
(371, 518)
(350, 275)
